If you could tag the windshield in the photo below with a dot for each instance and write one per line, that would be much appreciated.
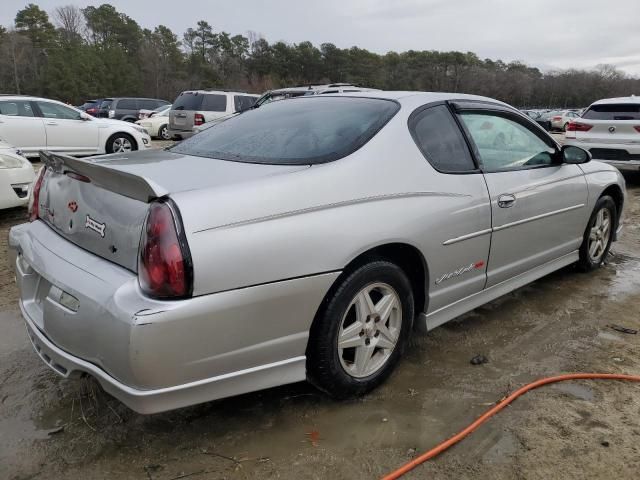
(611, 111)
(306, 130)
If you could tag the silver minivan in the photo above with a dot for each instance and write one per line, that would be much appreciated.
(196, 107)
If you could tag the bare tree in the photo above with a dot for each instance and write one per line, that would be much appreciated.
(70, 20)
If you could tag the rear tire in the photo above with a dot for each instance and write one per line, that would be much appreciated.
(598, 234)
(361, 330)
(163, 132)
(121, 143)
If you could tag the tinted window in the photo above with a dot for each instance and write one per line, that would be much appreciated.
(127, 104)
(440, 140)
(302, 131)
(242, 102)
(16, 109)
(53, 110)
(148, 104)
(105, 104)
(214, 103)
(504, 144)
(188, 101)
(621, 111)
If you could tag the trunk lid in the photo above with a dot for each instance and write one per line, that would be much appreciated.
(609, 131)
(100, 203)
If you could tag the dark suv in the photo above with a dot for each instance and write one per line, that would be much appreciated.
(126, 108)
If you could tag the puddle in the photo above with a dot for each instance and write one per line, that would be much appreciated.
(576, 390)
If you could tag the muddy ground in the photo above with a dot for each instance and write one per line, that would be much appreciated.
(51, 428)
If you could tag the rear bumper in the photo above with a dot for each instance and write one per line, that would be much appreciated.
(180, 134)
(158, 355)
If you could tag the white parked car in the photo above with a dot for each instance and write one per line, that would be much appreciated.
(610, 130)
(157, 123)
(16, 177)
(561, 119)
(32, 124)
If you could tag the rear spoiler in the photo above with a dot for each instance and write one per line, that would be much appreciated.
(109, 178)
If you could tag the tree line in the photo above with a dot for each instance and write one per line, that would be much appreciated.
(75, 54)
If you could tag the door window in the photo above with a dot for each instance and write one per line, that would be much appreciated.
(16, 109)
(214, 103)
(504, 144)
(127, 104)
(53, 110)
(439, 139)
(242, 102)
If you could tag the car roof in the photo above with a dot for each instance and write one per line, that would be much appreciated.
(631, 99)
(412, 97)
(218, 92)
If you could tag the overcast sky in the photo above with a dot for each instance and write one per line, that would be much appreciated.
(544, 33)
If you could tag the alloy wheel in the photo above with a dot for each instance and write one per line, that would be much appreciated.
(122, 144)
(599, 234)
(370, 330)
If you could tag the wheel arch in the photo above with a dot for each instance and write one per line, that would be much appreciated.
(121, 132)
(406, 256)
(615, 192)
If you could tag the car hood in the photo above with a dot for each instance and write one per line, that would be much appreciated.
(113, 123)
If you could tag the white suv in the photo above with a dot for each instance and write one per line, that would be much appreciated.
(197, 107)
(610, 130)
(32, 124)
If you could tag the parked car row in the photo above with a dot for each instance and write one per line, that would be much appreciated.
(552, 120)
(121, 108)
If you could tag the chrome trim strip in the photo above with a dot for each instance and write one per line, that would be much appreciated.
(479, 233)
(468, 236)
(537, 217)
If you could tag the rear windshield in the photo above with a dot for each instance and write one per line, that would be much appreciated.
(305, 130)
(613, 111)
(242, 102)
(188, 101)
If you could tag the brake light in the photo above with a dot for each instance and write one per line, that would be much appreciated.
(578, 127)
(198, 119)
(557, 118)
(164, 264)
(637, 129)
(34, 200)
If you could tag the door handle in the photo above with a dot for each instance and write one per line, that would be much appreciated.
(52, 123)
(507, 200)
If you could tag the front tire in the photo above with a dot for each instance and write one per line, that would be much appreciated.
(598, 234)
(361, 330)
(121, 143)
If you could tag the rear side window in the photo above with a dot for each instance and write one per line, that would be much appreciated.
(214, 103)
(440, 140)
(105, 104)
(301, 131)
(613, 111)
(16, 109)
(148, 104)
(188, 101)
(127, 104)
(242, 102)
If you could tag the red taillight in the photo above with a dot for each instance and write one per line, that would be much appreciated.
(578, 127)
(164, 265)
(198, 119)
(91, 111)
(34, 200)
(557, 118)
(637, 129)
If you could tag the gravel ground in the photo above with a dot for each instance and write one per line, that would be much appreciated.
(51, 428)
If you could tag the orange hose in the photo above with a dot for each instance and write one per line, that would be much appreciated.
(493, 410)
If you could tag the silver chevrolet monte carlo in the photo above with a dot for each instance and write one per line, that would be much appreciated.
(302, 240)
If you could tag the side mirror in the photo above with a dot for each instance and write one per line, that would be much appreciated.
(575, 155)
